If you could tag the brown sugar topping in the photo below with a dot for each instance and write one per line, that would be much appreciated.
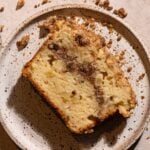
(71, 66)
(99, 94)
(51, 59)
(86, 69)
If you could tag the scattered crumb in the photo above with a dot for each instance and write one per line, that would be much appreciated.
(121, 12)
(23, 54)
(21, 44)
(104, 4)
(142, 97)
(1, 28)
(91, 20)
(43, 31)
(108, 25)
(119, 38)
(130, 129)
(20, 4)
(97, 2)
(129, 69)
(35, 6)
(148, 138)
(92, 26)
(86, 23)
(109, 8)
(121, 56)
(1, 9)
(104, 23)
(140, 77)
(109, 44)
(44, 2)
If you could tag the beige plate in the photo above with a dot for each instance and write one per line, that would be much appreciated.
(33, 125)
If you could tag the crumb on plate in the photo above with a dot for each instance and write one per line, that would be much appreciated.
(104, 4)
(1, 28)
(1, 9)
(20, 4)
(44, 2)
(21, 44)
(129, 69)
(121, 12)
(141, 77)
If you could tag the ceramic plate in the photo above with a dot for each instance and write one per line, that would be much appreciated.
(33, 125)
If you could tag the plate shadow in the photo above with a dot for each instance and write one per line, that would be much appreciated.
(44, 121)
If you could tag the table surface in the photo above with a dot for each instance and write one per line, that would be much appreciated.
(138, 18)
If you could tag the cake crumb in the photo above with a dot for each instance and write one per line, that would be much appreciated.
(21, 44)
(35, 6)
(97, 2)
(121, 56)
(1, 9)
(148, 138)
(109, 8)
(104, 4)
(44, 2)
(129, 69)
(1, 28)
(141, 77)
(119, 38)
(121, 12)
(142, 97)
(108, 25)
(109, 44)
(20, 4)
(43, 31)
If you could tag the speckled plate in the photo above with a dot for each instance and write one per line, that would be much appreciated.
(33, 125)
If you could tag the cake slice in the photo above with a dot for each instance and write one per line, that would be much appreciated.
(78, 77)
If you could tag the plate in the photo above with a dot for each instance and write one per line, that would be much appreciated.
(33, 125)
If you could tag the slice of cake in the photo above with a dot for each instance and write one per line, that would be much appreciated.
(78, 77)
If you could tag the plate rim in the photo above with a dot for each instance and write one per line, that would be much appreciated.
(78, 6)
